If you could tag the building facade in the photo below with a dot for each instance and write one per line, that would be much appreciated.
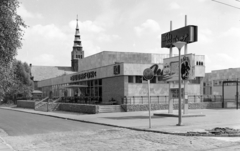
(108, 76)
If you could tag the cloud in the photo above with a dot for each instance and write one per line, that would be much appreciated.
(108, 38)
(87, 26)
(174, 5)
(24, 13)
(149, 26)
(48, 31)
(232, 32)
(205, 35)
(45, 59)
(90, 48)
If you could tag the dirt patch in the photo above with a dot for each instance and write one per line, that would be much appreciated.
(115, 139)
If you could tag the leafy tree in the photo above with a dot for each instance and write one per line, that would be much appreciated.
(11, 33)
(21, 82)
(11, 30)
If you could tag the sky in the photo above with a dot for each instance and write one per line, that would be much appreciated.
(128, 26)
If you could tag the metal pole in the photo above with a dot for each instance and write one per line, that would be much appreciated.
(223, 94)
(47, 104)
(237, 94)
(179, 86)
(170, 53)
(185, 82)
(149, 103)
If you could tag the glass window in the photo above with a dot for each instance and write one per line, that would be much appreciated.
(95, 82)
(100, 81)
(100, 91)
(139, 79)
(130, 79)
(153, 80)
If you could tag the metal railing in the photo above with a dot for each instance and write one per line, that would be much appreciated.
(164, 99)
(81, 100)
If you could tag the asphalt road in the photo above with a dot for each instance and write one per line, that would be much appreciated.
(18, 123)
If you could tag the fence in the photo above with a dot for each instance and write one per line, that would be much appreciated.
(164, 99)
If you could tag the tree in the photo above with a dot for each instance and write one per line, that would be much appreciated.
(11, 33)
(21, 82)
(11, 30)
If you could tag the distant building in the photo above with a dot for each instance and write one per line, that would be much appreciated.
(108, 76)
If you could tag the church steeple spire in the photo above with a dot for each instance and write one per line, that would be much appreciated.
(77, 52)
(77, 40)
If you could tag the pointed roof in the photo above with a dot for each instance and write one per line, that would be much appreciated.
(77, 39)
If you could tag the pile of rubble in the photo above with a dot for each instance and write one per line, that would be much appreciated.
(226, 130)
(218, 131)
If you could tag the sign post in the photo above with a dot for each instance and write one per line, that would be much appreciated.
(148, 75)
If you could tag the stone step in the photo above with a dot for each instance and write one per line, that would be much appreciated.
(110, 108)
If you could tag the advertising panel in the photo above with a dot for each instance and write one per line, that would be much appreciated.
(169, 70)
(186, 34)
(170, 67)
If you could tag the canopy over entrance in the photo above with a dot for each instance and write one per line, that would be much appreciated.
(36, 92)
(75, 86)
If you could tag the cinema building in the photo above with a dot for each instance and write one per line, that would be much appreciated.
(109, 76)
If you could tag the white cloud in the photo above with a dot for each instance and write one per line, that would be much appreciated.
(149, 26)
(87, 26)
(222, 57)
(24, 13)
(108, 38)
(174, 5)
(45, 59)
(205, 35)
(232, 32)
(48, 31)
(90, 48)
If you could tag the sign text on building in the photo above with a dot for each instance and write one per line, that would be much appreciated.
(186, 34)
(82, 76)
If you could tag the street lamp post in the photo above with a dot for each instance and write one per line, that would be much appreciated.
(179, 45)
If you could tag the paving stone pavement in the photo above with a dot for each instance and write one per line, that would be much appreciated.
(125, 139)
(115, 139)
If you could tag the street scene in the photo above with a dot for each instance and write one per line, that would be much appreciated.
(41, 132)
(119, 75)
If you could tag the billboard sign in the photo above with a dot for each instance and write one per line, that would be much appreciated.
(186, 34)
(187, 67)
(169, 70)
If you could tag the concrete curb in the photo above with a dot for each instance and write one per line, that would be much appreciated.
(131, 128)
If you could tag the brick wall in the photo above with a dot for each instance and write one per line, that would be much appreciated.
(80, 108)
(26, 104)
(144, 107)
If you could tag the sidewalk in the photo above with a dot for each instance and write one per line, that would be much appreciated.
(140, 120)
(4, 146)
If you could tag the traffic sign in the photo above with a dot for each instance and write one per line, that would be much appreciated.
(148, 74)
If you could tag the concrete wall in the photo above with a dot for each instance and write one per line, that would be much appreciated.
(26, 104)
(80, 108)
(144, 107)
(113, 88)
(229, 91)
(139, 89)
(107, 57)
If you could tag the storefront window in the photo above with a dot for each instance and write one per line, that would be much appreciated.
(138, 79)
(130, 79)
(175, 93)
(153, 80)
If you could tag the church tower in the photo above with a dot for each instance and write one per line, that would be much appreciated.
(77, 52)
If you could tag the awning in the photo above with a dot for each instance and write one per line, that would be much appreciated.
(75, 86)
(36, 92)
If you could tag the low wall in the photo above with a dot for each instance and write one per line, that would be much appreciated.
(80, 108)
(144, 107)
(26, 104)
